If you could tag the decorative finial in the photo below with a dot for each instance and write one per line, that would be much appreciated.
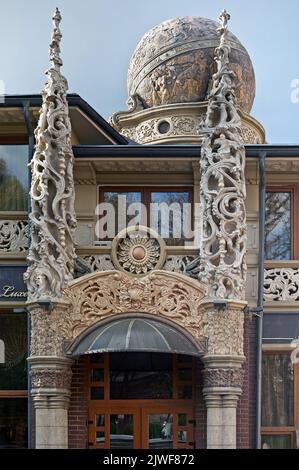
(223, 19)
(55, 59)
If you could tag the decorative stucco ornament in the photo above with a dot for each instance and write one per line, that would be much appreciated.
(221, 264)
(137, 250)
(52, 219)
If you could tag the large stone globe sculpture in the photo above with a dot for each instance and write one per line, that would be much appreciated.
(174, 63)
(169, 80)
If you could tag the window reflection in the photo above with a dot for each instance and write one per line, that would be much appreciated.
(167, 212)
(13, 177)
(121, 431)
(13, 334)
(167, 215)
(278, 225)
(277, 390)
(13, 423)
(277, 441)
(160, 431)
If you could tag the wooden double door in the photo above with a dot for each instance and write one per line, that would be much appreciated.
(146, 426)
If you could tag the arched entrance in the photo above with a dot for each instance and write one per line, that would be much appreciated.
(140, 383)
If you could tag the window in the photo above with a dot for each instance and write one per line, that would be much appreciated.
(141, 376)
(13, 380)
(166, 210)
(13, 177)
(281, 224)
(278, 401)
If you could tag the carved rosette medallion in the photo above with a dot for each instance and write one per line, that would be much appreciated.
(138, 250)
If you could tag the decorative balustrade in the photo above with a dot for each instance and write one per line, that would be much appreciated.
(281, 284)
(13, 235)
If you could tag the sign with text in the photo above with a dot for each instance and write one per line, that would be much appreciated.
(12, 285)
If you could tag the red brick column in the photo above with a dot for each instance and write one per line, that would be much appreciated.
(200, 409)
(78, 410)
(246, 411)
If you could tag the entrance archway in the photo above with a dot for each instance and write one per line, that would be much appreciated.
(140, 383)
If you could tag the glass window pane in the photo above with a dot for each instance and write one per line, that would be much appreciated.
(182, 419)
(183, 358)
(13, 177)
(97, 358)
(160, 431)
(277, 441)
(185, 374)
(277, 390)
(126, 385)
(97, 393)
(185, 391)
(121, 431)
(123, 201)
(13, 423)
(13, 366)
(278, 236)
(100, 437)
(182, 437)
(142, 375)
(97, 375)
(100, 420)
(171, 216)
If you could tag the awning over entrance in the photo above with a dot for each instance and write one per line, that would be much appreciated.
(135, 334)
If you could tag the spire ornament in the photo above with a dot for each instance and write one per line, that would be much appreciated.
(221, 263)
(52, 218)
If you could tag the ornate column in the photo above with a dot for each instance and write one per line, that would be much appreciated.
(221, 264)
(51, 255)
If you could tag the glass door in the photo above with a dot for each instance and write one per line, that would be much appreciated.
(114, 428)
(167, 428)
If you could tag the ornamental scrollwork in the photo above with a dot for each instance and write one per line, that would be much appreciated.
(167, 295)
(51, 256)
(281, 284)
(178, 263)
(13, 235)
(221, 264)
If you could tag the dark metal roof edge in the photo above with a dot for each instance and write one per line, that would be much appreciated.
(73, 100)
(85, 151)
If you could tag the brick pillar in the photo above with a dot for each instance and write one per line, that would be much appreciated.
(78, 410)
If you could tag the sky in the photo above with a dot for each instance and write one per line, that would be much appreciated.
(99, 37)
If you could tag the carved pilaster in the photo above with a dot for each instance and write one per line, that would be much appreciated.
(52, 219)
(221, 264)
(225, 331)
(49, 328)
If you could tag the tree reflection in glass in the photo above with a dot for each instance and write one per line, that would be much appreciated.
(278, 226)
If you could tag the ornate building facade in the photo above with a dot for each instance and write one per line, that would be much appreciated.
(149, 283)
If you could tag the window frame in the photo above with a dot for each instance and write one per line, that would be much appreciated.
(286, 430)
(146, 196)
(18, 142)
(6, 393)
(18, 394)
(294, 191)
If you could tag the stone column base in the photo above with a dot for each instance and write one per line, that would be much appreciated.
(50, 390)
(223, 379)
